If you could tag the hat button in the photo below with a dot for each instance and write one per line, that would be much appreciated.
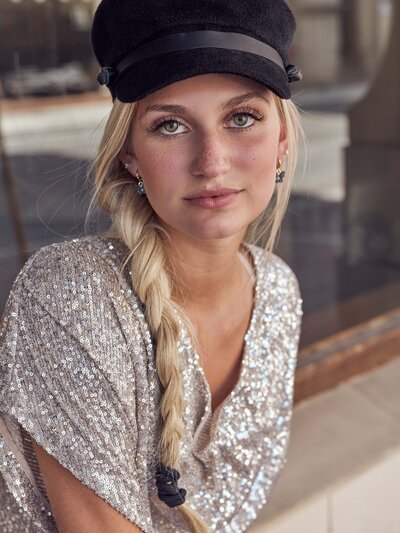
(106, 75)
(293, 73)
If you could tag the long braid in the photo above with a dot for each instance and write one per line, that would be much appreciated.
(135, 223)
(152, 285)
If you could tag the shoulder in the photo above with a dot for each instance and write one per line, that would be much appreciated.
(280, 302)
(270, 265)
(277, 283)
(63, 265)
(72, 296)
(72, 282)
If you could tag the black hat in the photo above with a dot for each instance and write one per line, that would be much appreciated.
(144, 45)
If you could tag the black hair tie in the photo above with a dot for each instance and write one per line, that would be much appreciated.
(168, 491)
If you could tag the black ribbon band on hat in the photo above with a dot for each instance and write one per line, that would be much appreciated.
(195, 40)
(168, 491)
(200, 39)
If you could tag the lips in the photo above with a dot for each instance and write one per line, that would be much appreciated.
(214, 198)
(212, 193)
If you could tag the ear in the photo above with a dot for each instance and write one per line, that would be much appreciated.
(127, 158)
(283, 142)
(126, 155)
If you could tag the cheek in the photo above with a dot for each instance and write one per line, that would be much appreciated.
(258, 157)
(257, 160)
(158, 163)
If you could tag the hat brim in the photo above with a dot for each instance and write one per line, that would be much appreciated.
(143, 78)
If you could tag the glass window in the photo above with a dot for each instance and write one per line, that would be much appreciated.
(341, 234)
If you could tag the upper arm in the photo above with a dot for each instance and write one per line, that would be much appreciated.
(68, 377)
(75, 506)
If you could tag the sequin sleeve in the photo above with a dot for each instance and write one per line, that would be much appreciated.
(277, 336)
(70, 384)
(289, 312)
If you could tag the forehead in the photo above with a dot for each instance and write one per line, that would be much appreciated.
(220, 86)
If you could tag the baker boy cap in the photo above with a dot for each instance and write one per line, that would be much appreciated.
(144, 45)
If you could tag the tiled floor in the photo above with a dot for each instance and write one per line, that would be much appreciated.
(369, 503)
(310, 517)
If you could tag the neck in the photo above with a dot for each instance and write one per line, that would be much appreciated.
(209, 273)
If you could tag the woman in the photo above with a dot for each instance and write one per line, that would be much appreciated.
(166, 349)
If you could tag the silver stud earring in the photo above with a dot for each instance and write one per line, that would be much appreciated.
(139, 186)
(280, 174)
(126, 165)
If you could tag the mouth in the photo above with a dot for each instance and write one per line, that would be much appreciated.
(214, 198)
(213, 193)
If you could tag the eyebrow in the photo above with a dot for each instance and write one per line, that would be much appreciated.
(232, 102)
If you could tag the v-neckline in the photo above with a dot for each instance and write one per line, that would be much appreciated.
(213, 415)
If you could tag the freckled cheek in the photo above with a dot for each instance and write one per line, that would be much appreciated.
(160, 165)
(258, 158)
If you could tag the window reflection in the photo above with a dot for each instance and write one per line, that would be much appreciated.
(342, 227)
(341, 232)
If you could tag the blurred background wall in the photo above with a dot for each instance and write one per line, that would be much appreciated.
(340, 40)
(336, 40)
(53, 112)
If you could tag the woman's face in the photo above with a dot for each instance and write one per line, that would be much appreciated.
(207, 149)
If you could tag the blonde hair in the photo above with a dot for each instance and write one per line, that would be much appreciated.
(137, 225)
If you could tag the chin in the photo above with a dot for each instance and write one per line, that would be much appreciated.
(215, 233)
(209, 229)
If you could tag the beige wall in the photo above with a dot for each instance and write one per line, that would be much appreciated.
(373, 24)
(317, 44)
(339, 39)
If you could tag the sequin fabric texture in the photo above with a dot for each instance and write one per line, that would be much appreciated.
(77, 372)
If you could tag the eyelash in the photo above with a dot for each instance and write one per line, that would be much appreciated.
(245, 111)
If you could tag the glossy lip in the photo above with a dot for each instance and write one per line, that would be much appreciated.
(212, 193)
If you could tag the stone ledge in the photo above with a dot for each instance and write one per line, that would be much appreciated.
(343, 463)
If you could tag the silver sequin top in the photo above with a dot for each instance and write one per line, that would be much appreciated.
(77, 372)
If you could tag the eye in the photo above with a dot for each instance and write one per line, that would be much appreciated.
(170, 126)
(241, 118)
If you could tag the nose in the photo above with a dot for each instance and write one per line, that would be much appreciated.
(212, 158)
